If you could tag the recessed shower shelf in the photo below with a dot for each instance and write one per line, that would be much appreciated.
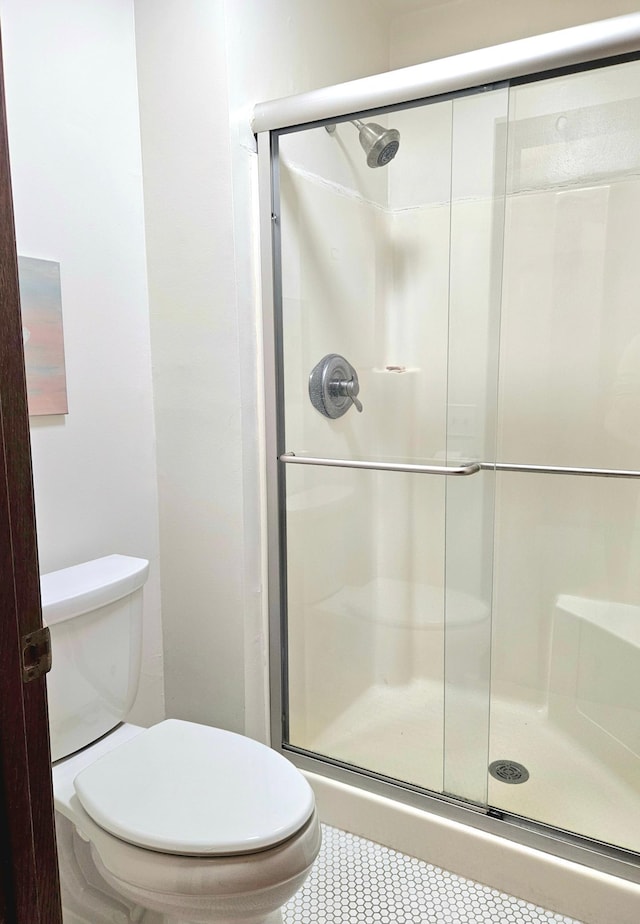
(395, 370)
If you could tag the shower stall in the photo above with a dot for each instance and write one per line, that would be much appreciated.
(453, 436)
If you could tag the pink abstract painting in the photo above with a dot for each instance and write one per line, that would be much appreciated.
(41, 303)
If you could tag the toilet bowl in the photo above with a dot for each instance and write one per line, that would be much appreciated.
(179, 823)
(242, 873)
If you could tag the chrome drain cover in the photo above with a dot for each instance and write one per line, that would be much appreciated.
(508, 771)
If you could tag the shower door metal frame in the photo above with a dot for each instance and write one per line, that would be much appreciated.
(594, 45)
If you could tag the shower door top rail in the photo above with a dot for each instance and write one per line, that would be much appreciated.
(465, 468)
(521, 58)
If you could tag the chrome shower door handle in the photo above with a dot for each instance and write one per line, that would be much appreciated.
(334, 386)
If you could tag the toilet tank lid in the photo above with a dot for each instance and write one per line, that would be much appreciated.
(85, 587)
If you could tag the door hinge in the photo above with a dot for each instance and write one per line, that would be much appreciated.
(36, 654)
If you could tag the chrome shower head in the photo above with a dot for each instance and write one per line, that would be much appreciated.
(379, 144)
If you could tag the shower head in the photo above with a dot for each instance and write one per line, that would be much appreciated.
(379, 144)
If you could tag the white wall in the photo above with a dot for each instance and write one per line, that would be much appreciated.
(75, 157)
(196, 362)
(202, 65)
(454, 26)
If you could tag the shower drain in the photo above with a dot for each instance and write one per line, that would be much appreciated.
(508, 771)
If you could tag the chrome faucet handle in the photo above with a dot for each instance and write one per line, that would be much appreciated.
(349, 389)
(334, 386)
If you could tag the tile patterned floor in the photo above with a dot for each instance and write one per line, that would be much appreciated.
(355, 881)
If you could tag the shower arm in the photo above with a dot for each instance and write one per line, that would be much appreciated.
(331, 128)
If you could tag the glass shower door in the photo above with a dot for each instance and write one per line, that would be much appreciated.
(566, 651)
(458, 453)
(387, 626)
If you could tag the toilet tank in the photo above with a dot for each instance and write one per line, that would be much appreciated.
(94, 614)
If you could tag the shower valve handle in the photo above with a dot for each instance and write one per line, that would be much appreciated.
(350, 390)
(334, 386)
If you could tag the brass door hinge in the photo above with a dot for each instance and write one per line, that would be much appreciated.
(36, 654)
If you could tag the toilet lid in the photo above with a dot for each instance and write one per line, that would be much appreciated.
(190, 789)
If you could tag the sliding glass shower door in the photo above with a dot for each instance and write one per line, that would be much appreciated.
(458, 449)
(566, 615)
(389, 384)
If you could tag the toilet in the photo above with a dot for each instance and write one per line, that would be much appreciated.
(179, 823)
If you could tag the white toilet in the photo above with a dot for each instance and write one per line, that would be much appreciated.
(176, 824)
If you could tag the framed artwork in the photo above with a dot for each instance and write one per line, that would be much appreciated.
(41, 302)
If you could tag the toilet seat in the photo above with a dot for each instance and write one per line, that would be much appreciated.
(193, 790)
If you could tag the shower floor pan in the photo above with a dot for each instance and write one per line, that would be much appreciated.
(397, 731)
